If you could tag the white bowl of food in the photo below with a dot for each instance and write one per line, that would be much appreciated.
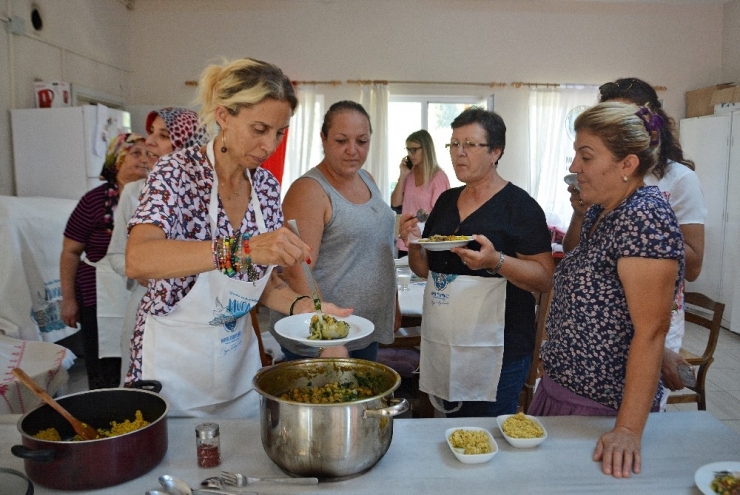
(521, 430)
(471, 445)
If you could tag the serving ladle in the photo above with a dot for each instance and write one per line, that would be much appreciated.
(86, 432)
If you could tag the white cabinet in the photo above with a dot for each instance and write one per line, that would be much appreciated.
(54, 148)
(713, 143)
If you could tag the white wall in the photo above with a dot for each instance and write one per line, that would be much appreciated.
(731, 42)
(84, 42)
(147, 54)
(678, 46)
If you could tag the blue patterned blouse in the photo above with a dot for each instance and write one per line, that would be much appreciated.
(589, 327)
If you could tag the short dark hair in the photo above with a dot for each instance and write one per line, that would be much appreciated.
(490, 121)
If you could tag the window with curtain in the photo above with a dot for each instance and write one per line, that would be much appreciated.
(304, 143)
(407, 114)
(552, 112)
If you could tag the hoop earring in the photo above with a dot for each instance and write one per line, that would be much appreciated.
(224, 148)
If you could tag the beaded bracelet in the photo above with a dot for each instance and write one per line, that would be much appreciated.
(292, 306)
(232, 256)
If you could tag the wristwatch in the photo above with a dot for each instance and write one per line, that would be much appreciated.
(500, 263)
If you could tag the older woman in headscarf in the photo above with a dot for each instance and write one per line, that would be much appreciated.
(88, 231)
(168, 129)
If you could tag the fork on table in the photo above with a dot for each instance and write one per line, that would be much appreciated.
(236, 479)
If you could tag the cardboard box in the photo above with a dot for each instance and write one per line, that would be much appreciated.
(700, 101)
(52, 94)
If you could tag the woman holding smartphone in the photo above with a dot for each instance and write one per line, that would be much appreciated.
(420, 181)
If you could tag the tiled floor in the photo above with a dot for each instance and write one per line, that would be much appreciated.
(723, 379)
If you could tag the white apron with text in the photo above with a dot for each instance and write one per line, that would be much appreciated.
(462, 337)
(204, 352)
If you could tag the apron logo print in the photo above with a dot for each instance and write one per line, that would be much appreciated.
(442, 280)
(222, 316)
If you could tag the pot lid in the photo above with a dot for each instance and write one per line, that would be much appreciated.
(15, 483)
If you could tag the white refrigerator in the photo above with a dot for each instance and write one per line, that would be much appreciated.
(59, 152)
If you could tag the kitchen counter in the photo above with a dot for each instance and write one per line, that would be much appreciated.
(675, 445)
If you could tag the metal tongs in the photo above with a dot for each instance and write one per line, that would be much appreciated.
(293, 226)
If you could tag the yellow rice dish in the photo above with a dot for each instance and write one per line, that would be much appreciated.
(474, 442)
(520, 426)
(116, 429)
(331, 393)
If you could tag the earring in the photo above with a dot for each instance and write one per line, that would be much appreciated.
(623, 178)
(224, 148)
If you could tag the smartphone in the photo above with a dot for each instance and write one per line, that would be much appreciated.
(408, 163)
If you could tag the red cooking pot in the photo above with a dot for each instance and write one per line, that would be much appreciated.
(92, 464)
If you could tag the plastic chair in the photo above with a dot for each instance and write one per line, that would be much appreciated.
(706, 313)
(535, 369)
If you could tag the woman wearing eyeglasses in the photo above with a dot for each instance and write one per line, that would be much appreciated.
(478, 328)
(420, 181)
(675, 177)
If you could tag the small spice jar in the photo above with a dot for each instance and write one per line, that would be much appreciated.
(208, 445)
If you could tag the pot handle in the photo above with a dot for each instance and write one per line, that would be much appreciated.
(41, 455)
(150, 385)
(398, 406)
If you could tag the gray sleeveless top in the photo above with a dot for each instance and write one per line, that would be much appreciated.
(355, 267)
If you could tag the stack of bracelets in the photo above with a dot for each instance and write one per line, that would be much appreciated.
(231, 256)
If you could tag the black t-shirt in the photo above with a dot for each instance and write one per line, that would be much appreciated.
(514, 222)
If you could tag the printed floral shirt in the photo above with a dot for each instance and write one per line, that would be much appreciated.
(176, 199)
(589, 327)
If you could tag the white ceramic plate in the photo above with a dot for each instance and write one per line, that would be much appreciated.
(472, 458)
(441, 245)
(705, 474)
(296, 328)
(521, 443)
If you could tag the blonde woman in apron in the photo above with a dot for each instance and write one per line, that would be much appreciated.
(207, 234)
(478, 315)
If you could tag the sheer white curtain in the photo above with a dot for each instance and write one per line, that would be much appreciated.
(374, 97)
(552, 113)
(302, 144)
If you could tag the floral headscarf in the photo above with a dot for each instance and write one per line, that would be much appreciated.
(183, 124)
(117, 149)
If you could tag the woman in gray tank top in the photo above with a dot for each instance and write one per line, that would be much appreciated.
(342, 217)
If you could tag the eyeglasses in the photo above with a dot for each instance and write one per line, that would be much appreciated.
(466, 145)
(612, 90)
(411, 151)
(137, 153)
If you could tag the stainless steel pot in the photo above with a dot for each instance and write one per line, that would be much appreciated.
(328, 441)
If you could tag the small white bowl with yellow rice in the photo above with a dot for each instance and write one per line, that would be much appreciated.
(521, 431)
(471, 445)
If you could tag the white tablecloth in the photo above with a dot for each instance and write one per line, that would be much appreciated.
(675, 445)
(411, 301)
(31, 231)
(46, 363)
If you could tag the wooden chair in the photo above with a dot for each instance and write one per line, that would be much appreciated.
(403, 356)
(535, 369)
(707, 313)
(264, 357)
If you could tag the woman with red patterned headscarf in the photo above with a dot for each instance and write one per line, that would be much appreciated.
(168, 129)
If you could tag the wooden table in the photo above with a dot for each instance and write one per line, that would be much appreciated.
(675, 445)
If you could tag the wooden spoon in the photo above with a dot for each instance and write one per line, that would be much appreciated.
(86, 432)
